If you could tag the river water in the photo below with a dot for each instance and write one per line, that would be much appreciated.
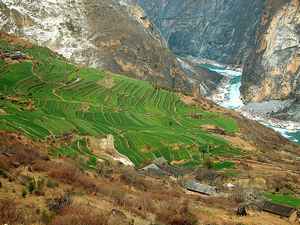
(228, 95)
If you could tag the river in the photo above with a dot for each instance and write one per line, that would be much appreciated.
(228, 95)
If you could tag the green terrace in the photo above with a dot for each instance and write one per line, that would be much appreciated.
(286, 199)
(47, 96)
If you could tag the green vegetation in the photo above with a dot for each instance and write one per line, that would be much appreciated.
(288, 200)
(48, 97)
(223, 165)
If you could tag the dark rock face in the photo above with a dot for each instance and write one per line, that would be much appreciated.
(221, 30)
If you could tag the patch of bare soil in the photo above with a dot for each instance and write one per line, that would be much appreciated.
(104, 146)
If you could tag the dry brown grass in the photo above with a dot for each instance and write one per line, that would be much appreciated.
(80, 215)
(175, 213)
(132, 178)
(17, 151)
(67, 173)
(10, 213)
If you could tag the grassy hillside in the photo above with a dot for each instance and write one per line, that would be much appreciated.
(44, 95)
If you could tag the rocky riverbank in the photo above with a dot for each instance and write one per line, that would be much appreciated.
(228, 95)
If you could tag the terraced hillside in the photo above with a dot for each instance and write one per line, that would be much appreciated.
(42, 96)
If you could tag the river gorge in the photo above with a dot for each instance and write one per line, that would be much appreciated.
(228, 95)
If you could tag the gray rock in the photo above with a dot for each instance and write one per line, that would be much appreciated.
(272, 71)
(267, 107)
(221, 30)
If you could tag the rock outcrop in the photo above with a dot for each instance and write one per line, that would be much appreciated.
(272, 71)
(109, 34)
(220, 30)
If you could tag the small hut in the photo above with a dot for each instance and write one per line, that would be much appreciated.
(194, 186)
(281, 210)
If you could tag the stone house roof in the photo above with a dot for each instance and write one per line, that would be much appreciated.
(193, 185)
(281, 210)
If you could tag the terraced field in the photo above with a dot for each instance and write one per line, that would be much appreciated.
(45, 95)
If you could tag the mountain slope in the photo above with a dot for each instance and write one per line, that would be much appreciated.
(43, 96)
(104, 34)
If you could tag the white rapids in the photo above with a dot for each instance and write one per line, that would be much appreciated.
(228, 95)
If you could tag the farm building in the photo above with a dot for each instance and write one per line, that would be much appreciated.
(281, 210)
(194, 186)
(161, 167)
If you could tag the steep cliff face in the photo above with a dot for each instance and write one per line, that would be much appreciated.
(262, 35)
(221, 30)
(110, 34)
(273, 68)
